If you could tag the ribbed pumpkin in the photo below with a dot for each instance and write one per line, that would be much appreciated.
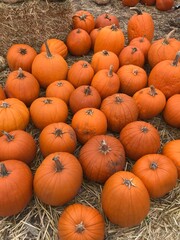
(101, 156)
(19, 145)
(47, 110)
(83, 19)
(150, 102)
(106, 19)
(171, 149)
(106, 82)
(110, 38)
(88, 122)
(16, 187)
(157, 172)
(139, 138)
(58, 178)
(163, 49)
(132, 78)
(49, 67)
(81, 222)
(171, 113)
(57, 137)
(22, 85)
(125, 199)
(119, 109)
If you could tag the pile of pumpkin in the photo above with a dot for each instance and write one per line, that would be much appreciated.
(109, 96)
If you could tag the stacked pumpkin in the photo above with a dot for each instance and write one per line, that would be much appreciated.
(112, 94)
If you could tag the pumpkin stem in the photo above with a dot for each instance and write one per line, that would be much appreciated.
(4, 105)
(84, 65)
(83, 17)
(110, 72)
(118, 99)
(144, 129)
(134, 49)
(152, 91)
(9, 136)
(80, 227)
(59, 84)
(3, 170)
(48, 101)
(166, 39)
(104, 148)
(137, 10)
(114, 27)
(87, 91)
(107, 16)
(135, 72)
(128, 182)
(176, 60)
(59, 166)
(48, 53)
(58, 132)
(78, 30)
(20, 73)
(153, 166)
(89, 112)
(23, 51)
(105, 52)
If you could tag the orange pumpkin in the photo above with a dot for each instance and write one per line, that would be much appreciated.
(164, 5)
(125, 199)
(142, 43)
(130, 3)
(83, 19)
(58, 178)
(2, 93)
(93, 34)
(101, 156)
(139, 138)
(171, 149)
(106, 19)
(157, 172)
(79, 221)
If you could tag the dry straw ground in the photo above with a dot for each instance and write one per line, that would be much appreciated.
(32, 22)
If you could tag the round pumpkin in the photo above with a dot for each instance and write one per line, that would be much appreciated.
(125, 199)
(106, 19)
(16, 181)
(142, 43)
(58, 179)
(83, 19)
(101, 156)
(164, 5)
(81, 222)
(157, 172)
(139, 138)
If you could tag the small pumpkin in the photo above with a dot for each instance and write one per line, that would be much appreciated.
(83, 19)
(142, 43)
(164, 5)
(130, 3)
(19, 145)
(58, 179)
(139, 138)
(171, 113)
(171, 150)
(101, 156)
(106, 19)
(88, 122)
(81, 221)
(57, 137)
(13, 198)
(125, 199)
(157, 172)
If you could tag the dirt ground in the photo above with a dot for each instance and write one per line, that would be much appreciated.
(34, 21)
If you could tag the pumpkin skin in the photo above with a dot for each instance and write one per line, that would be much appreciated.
(78, 42)
(157, 172)
(110, 38)
(19, 145)
(166, 76)
(80, 73)
(79, 221)
(130, 3)
(84, 20)
(106, 82)
(49, 67)
(131, 55)
(132, 78)
(106, 19)
(88, 122)
(61, 89)
(93, 34)
(57, 137)
(142, 43)
(164, 5)
(146, 97)
(163, 49)
(13, 114)
(171, 149)
(20, 56)
(103, 60)
(22, 85)
(55, 46)
(139, 138)
(139, 25)
(100, 157)
(2, 93)
(84, 96)
(119, 109)
(58, 179)
(171, 113)
(13, 199)
(125, 199)
(44, 111)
